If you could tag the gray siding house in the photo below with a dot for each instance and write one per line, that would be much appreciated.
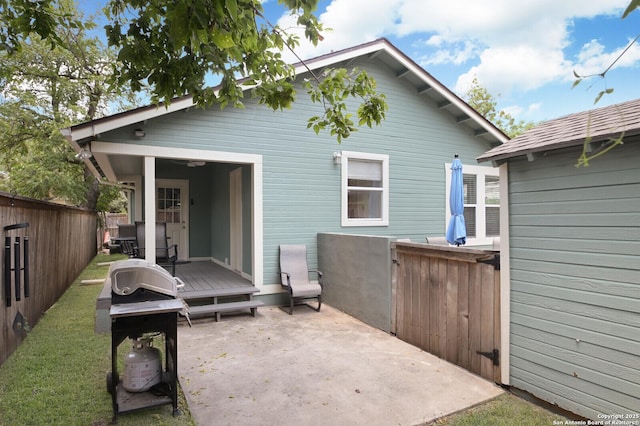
(571, 255)
(234, 184)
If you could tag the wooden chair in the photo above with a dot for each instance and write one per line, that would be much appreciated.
(294, 276)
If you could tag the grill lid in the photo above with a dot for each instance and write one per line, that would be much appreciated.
(128, 275)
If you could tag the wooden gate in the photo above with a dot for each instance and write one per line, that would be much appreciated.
(447, 302)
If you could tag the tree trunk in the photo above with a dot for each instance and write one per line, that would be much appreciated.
(93, 189)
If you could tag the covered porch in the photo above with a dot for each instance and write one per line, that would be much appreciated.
(211, 201)
(204, 279)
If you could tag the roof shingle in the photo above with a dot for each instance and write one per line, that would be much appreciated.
(570, 130)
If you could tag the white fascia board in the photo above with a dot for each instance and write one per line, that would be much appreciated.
(332, 59)
(102, 147)
(96, 127)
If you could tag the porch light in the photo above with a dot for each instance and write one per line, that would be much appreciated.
(139, 133)
(85, 153)
(337, 157)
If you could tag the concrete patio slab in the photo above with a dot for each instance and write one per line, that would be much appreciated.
(315, 368)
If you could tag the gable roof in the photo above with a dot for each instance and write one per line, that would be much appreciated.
(381, 50)
(599, 125)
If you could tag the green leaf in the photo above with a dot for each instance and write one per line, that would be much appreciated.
(600, 95)
(223, 39)
(232, 8)
(633, 5)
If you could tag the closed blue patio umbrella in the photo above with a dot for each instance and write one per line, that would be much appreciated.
(457, 230)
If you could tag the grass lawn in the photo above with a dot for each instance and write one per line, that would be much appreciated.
(58, 375)
(505, 410)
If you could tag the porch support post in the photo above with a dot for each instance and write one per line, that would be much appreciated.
(150, 209)
(505, 278)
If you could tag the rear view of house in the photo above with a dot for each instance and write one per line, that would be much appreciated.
(573, 256)
(233, 185)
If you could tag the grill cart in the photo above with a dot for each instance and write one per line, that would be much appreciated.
(144, 302)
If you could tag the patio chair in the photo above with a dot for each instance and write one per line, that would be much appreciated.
(165, 253)
(294, 276)
(126, 239)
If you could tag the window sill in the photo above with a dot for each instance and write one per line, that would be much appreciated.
(365, 222)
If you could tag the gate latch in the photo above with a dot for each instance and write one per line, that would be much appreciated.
(494, 356)
(493, 261)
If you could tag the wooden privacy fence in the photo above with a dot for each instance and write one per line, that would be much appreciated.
(46, 246)
(447, 302)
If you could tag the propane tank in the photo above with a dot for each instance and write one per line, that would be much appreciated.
(142, 366)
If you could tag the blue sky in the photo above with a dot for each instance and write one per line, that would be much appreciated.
(523, 52)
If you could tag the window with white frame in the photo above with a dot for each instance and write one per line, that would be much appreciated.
(365, 189)
(481, 202)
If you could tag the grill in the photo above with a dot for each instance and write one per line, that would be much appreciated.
(144, 301)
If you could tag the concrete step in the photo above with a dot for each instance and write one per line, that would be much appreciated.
(218, 308)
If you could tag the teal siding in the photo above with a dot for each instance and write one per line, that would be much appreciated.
(575, 280)
(301, 183)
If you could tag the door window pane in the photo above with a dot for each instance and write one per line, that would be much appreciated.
(168, 205)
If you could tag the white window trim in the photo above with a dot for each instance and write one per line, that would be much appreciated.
(479, 171)
(346, 221)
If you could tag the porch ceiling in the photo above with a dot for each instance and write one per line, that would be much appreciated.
(125, 165)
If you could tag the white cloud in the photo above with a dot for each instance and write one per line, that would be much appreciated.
(534, 108)
(513, 110)
(456, 54)
(514, 46)
(594, 59)
(349, 23)
(516, 68)
(511, 47)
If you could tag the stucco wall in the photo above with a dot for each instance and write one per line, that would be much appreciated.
(357, 276)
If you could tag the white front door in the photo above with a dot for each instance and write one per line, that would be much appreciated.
(172, 207)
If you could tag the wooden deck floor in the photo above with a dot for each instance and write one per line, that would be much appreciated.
(207, 279)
